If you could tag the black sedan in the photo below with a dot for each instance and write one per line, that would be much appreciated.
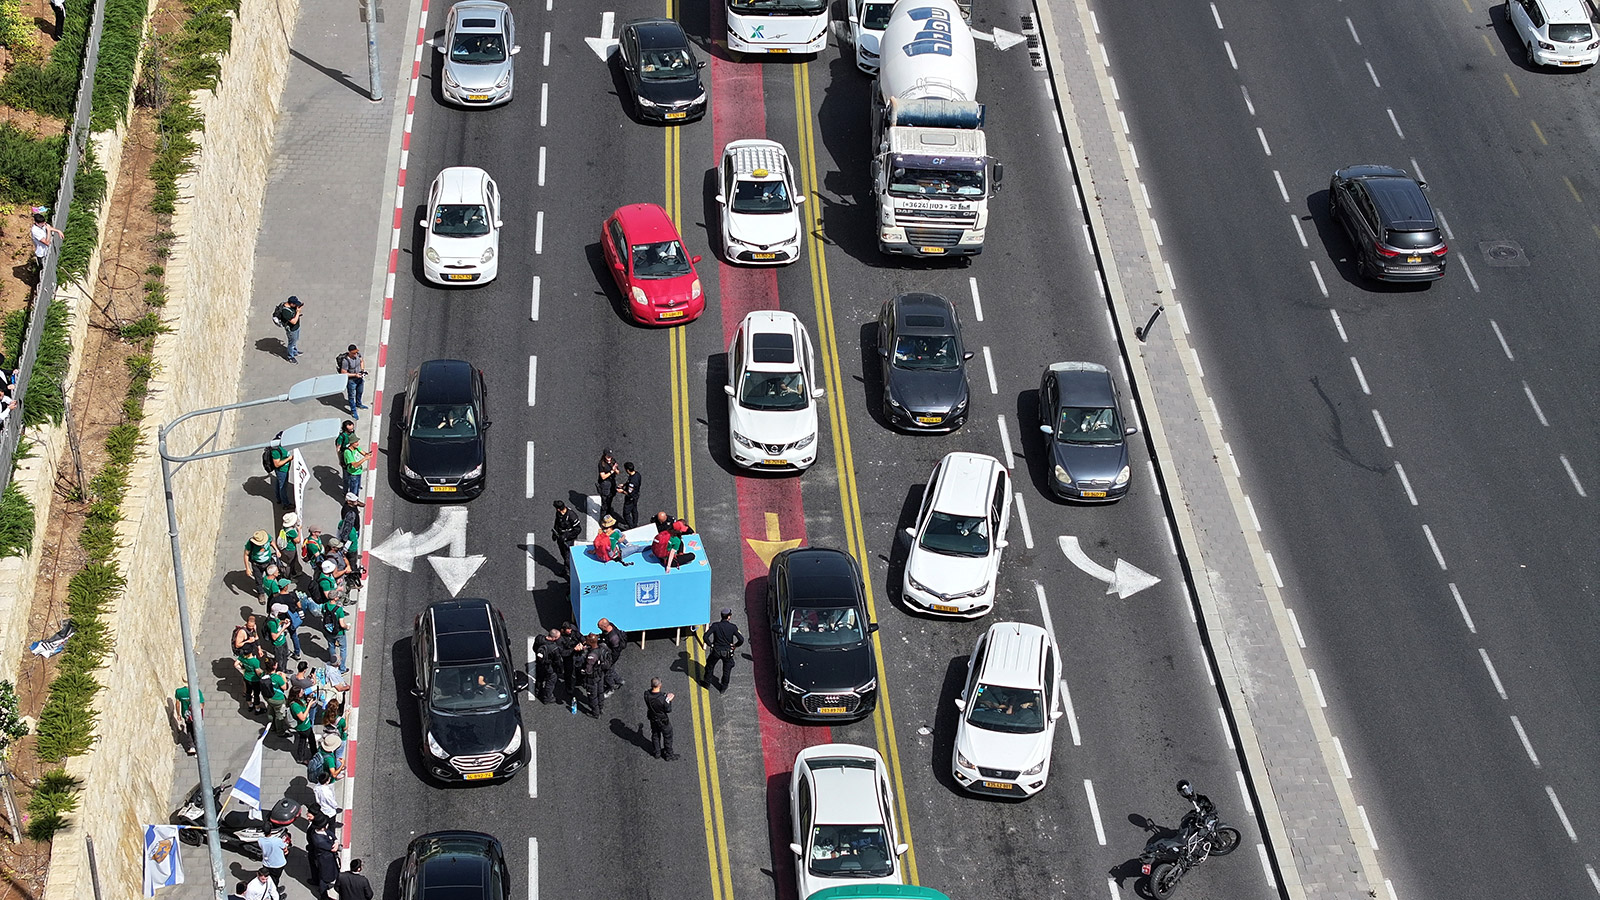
(924, 363)
(827, 670)
(442, 445)
(455, 865)
(467, 684)
(662, 71)
(1079, 410)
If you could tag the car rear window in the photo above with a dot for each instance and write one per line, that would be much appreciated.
(1413, 240)
(1572, 33)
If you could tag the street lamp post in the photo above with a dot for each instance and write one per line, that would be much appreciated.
(300, 435)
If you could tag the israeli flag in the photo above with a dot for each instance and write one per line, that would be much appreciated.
(247, 789)
(163, 865)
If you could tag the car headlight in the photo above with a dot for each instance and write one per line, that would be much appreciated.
(409, 472)
(917, 585)
(963, 762)
(698, 100)
(1036, 769)
(741, 440)
(1544, 46)
(431, 254)
(638, 296)
(434, 748)
(488, 254)
(793, 688)
(804, 442)
(504, 80)
(516, 741)
(1062, 475)
(474, 472)
(645, 101)
(978, 592)
(896, 403)
(694, 290)
(960, 406)
(450, 80)
(1122, 477)
(870, 685)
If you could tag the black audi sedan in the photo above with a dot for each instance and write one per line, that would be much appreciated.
(467, 683)
(1080, 412)
(662, 71)
(827, 670)
(924, 363)
(443, 450)
(455, 865)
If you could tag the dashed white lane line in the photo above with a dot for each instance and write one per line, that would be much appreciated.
(1594, 878)
(1156, 229)
(1339, 324)
(1561, 813)
(1022, 516)
(533, 378)
(1145, 192)
(541, 166)
(1172, 544)
(1298, 231)
(544, 104)
(1116, 894)
(1462, 605)
(1266, 866)
(533, 307)
(1105, 58)
(1572, 474)
(1282, 191)
(1232, 459)
(1094, 812)
(1199, 369)
(977, 304)
(533, 868)
(1504, 347)
(1231, 60)
(1317, 687)
(1443, 222)
(1134, 153)
(533, 766)
(529, 486)
(1321, 285)
(1360, 376)
(1244, 787)
(1066, 695)
(1217, 16)
(1125, 128)
(538, 232)
(1468, 270)
(1494, 676)
(1535, 403)
(1372, 838)
(1383, 430)
(1172, 285)
(1263, 136)
(547, 48)
(1294, 623)
(1005, 440)
(1247, 104)
(532, 574)
(1352, 29)
(1255, 522)
(1088, 239)
(1374, 78)
(1343, 763)
(1115, 94)
(1405, 482)
(1526, 744)
(1437, 555)
(1273, 565)
(1396, 123)
(1417, 168)
(1154, 482)
(988, 365)
(1094, 22)
(1227, 732)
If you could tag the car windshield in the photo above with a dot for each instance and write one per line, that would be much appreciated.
(460, 220)
(1011, 710)
(922, 351)
(875, 16)
(468, 688)
(666, 65)
(953, 183)
(1412, 240)
(956, 535)
(473, 48)
(1088, 425)
(444, 421)
(776, 391)
(760, 197)
(825, 628)
(850, 851)
(663, 259)
(1575, 33)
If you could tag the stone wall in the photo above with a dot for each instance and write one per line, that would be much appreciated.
(127, 777)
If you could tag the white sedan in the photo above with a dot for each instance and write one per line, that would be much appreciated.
(772, 393)
(760, 205)
(959, 534)
(843, 813)
(868, 20)
(1009, 707)
(462, 244)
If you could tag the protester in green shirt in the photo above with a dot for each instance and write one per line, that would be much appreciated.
(249, 666)
(186, 715)
(300, 719)
(258, 554)
(288, 543)
(275, 687)
(335, 621)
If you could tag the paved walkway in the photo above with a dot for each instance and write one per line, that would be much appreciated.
(324, 238)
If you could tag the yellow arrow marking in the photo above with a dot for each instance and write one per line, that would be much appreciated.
(774, 544)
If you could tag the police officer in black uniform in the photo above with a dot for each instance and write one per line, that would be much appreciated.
(722, 639)
(596, 660)
(570, 662)
(615, 641)
(547, 662)
(565, 532)
(657, 708)
(630, 496)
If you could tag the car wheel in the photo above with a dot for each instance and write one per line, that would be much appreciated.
(1533, 62)
(1363, 268)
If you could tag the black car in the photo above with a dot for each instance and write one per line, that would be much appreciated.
(827, 669)
(467, 683)
(924, 363)
(455, 865)
(442, 445)
(1081, 414)
(662, 71)
(1392, 225)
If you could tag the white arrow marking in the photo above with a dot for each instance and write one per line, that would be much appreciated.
(1001, 39)
(449, 530)
(604, 45)
(1127, 579)
(454, 571)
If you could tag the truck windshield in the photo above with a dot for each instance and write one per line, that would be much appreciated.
(952, 183)
(777, 7)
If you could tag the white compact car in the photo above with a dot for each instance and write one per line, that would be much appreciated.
(772, 393)
(960, 531)
(462, 245)
(868, 20)
(843, 813)
(1009, 709)
(1558, 33)
(760, 205)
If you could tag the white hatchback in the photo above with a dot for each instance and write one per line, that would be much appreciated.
(958, 537)
(772, 393)
(1009, 707)
(1558, 33)
(760, 205)
(843, 814)
(462, 242)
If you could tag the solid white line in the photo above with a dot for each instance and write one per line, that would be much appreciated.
(1493, 675)
(1337, 323)
(1317, 686)
(1252, 508)
(1094, 812)
(541, 166)
(1372, 838)
(1231, 61)
(1576, 484)
(1462, 605)
(1199, 369)
(1565, 822)
(533, 308)
(1247, 104)
(1321, 285)
(529, 494)
(1343, 763)
(1172, 285)
(533, 868)
(1263, 136)
(538, 232)
(1216, 15)
(1536, 410)
(1526, 744)
(1133, 153)
(533, 377)
(1273, 565)
(1405, 482)
(1231, 459)
(1005, 440)
(1502, 338)
(533, 574)
(1266, 866)
(1157, 229)
(1072, 714)
(1088, 240)
(988, 364)
(1375, 80)
(1298, 231)
(1295, 624)
(1465, 268)
(1146, 193)
(1396, 123)
(533, 766)
(1111, 884)
(1022, 516)
(544, 104)
(1382, 428)
(1360, 376)
(1282, 191)
(1094, 22)
(1352, 29)
(1435, 545)
(1227, 732)
(547, 48)
(977, 305)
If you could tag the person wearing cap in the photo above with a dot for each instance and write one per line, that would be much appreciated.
(289, 543)
(606, 482)
(722, 640)
(288, 316)
(350, 365)
(258, 554)
(608, 543)
(280, 457)
(630, 496)
(332, 760)
(329, 590)
(335, 621)
(345, 437)
(43, 232)
(353, 461)
(565, 532)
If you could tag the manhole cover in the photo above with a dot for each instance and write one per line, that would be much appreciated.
(1503, 253)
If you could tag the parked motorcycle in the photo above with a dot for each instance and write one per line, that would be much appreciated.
(1166, 859)
(238, 828)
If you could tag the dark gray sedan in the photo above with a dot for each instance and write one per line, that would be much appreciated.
(1080, 411)
(924, 363)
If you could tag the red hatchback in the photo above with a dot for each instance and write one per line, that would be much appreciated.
(654, 273)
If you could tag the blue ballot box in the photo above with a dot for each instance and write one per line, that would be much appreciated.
(644, 595)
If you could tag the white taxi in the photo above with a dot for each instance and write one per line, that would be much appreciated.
(760, 205)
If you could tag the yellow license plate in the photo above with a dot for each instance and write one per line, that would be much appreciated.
(773, 462)
(442, 488)
(674, 314)
(779, 50)
(999, 785)
(1094, 493)
(831, 710)
(455, 277)
(944, 608)
(477, 96)
(763, 256)
(930, 420)
(931, 249)
(676, 115)
(478, 776)
(1569, 62)
(1413, 259)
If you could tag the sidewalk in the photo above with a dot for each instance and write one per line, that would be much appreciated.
(324, 236)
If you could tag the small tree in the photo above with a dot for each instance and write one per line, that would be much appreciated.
(12, 726)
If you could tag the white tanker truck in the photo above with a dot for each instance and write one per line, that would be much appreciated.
(931, 171)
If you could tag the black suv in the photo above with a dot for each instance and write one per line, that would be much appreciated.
(467, 683)
(827, 670)
(455, 865)
(1393, 227)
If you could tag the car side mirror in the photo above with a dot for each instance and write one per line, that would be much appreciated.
(694, 259)
(777, 627)
(515, 49)
(500, 224)
(999, 174)
(817, 394)
(1002, 543)
(519, 680)
(416, 692)
(872, 628)
(961, 703)
(487, 425)
(439, 47)
(1047, 429)
(721, 200)
(1131, 429)
(911, 532)
(799, 199)
(422, 223)
(1056, 714)
(901, 849)
(883, 352)
(795, 849)
(728, 389)
(967, 355)
(617, 266)
(700, 64)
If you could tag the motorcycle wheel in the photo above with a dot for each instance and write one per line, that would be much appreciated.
(1225, 841)
(1164, 880)
(194, 837)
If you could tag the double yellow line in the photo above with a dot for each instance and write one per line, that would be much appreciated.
(843, 459)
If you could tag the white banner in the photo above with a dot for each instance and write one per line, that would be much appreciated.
(299, 477)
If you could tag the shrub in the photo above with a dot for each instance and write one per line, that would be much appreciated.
(30, 166)
(16, 27)
(122, 443)
(16, 522)
(143, 328)
(45, 400)
(51, 88)
(119, 57)
(83, 220)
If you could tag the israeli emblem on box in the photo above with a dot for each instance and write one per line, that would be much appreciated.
(647, 593)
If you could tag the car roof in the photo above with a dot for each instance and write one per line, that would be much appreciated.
(1015, 655)
(454, 859)
(462, 184)
(659, 34)
(441, 381)
(1399, 200)
(1084, 384)
(846, 785)
(966, 481)
(463, 631)
(822, 577)
(480, 9)
(1565, 12)
(646, 222)
(918, 313)
(773, 341)
(756, 155)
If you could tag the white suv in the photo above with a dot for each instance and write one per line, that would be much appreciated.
(760, 205)
(1009, 709)
(772, 392)
(1555, 32)
(960, 531)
